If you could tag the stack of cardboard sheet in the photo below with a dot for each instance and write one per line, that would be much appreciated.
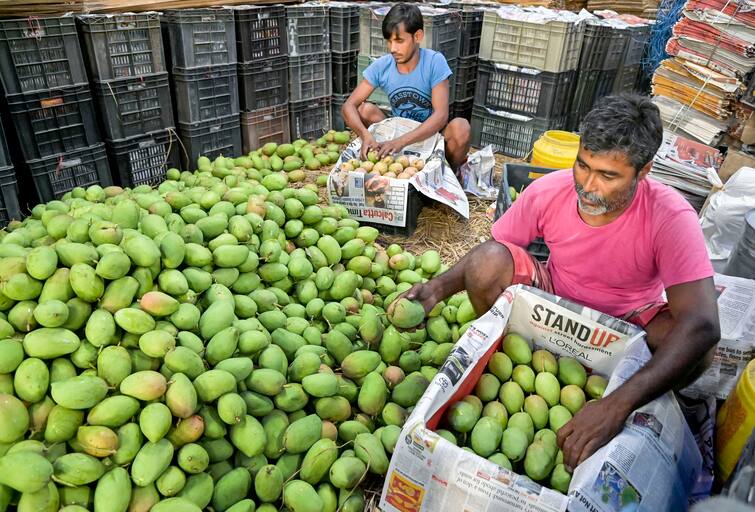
(635, 7)
(699, 87)
(681, 118)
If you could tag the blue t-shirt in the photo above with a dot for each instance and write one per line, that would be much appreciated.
(410, 94)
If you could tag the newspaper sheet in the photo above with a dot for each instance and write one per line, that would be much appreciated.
(427, 473)
(736, 314)
(371, 197)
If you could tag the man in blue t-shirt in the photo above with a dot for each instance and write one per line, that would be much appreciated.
(416, 82)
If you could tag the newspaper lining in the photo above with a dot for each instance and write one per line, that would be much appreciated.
(370, 197)
(736, 314)
(652, 464)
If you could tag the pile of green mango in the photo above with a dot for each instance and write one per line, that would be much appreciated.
(218, 341)
(517, 408)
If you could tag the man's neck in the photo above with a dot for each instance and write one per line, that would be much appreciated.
(409, 66)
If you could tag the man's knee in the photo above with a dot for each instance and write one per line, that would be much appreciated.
(491, 270)
(370, 113)
(458, 131)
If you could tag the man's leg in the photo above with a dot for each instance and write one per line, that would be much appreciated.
(658, 328)
(370, 114)
(457, 134)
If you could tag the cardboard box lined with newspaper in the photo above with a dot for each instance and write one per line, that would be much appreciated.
(384, 197)
(429, 472)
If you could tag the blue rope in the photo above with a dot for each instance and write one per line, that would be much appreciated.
(669, 12)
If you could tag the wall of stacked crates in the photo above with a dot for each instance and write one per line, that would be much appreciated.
(121, 98)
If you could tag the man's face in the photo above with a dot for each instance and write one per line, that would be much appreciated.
(402, 45)
(605, 182)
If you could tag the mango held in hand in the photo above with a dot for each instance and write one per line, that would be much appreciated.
(406, 314)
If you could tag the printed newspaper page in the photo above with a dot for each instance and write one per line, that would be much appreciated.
(736, 313)
(371, 197)
(652, 465)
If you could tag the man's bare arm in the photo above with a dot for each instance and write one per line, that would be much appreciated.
(677, 359)
(350, 106)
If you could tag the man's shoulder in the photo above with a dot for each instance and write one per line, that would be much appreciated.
(553, 182)
(665, 201)
(383, 62)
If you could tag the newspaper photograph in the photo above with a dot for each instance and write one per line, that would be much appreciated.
(428, 473)
(371, 197)
(736, 314)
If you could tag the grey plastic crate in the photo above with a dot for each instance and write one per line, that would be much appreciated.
(344, 70)
(510, 134)
(309, 77)
(134, 106)
(637, 40)
(336, 103)
(9, 207)
(122, 45)
(5, 158)
(206, 93)
(201, 37)
(626, 79)
(442, 29)
(40, 53)
(344, 27)
(211, 139)
(465, 78)
(308, 27)
(310, 119)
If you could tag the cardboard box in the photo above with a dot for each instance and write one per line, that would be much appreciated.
(734, 161)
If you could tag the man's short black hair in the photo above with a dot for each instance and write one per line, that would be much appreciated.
(627, 123)
(408, 14)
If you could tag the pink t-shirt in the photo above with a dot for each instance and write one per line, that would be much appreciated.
(656, 243)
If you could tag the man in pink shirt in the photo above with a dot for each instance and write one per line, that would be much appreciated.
(617, 241)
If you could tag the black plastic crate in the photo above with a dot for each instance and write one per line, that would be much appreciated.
(134, 106)
(54, 176)
(5, 158)
(583, 97)
(344, 27)
(263, 83)
(415, 202)
(344, 71)
(9, 207)
(201, 37)
(308, 29)
(265, 125)
(594, 47)
(510, 134)
(471, 28)
(617, 42)
(310, 119)
(519, 176)
(211, 139)
(523, 91)
(461, 108)
(309, 77)
(54, 122)
(206, 93)
(465, 78)
(604, 86)
(626, 79)
(336, 103)
(122, 45)
(40, 53)
(637, 40)
(144, 159)
(260, 32)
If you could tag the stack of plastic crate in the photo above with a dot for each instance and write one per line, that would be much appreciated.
(46, 87)
(344, 47)
(441, 26)
(601, 53)
(310, 83)
(126, 63)
(262, 51)
(526, 75)
(465, 73)
(206, 94)
(9, 207)
(628, 70)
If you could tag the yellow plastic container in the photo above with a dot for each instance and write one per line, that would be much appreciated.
(735, 422)
(556, 149)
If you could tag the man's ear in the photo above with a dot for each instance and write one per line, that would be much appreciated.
(645, 170)
(419, 36)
